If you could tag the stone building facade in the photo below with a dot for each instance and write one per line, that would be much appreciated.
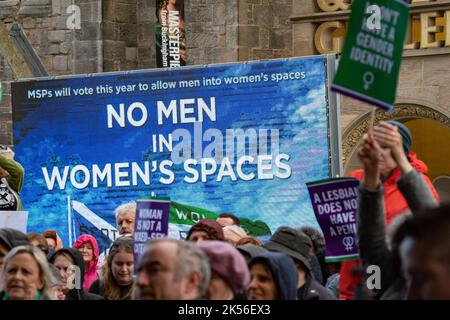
(119, 35)
(422, 101)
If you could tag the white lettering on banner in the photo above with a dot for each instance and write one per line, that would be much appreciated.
(346, 229)
(121, 176)
(139, 247)
(181, 111)
(164, 39)
(151, 214)
(342, 217)
(339, 194)
(189, 216)
(174, 38)
(268, 167)
(120, 117)
(185, 109)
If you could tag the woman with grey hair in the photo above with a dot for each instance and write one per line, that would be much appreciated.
(26, 275)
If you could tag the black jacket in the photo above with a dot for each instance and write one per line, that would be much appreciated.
(371, 231)
(77, 294)
(316, 268)
(312, 290)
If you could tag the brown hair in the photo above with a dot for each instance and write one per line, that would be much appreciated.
(247, 240)
(112, 290)
(42, 243)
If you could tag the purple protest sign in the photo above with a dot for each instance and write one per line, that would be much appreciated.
(335, 203)
(152, 221)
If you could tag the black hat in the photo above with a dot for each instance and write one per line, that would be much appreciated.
(251, 249)
(294, 243)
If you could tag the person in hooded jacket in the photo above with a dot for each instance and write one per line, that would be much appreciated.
(9, 239)
(297, 245)
(273, 277)
(69, 261)
(88, 247)
(394, 202)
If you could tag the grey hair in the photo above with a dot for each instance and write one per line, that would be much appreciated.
(190, 259)
(125, 207)
(45, 272)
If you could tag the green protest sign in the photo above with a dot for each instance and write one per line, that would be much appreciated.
(183, 214)
(370, 62)
(1, 92)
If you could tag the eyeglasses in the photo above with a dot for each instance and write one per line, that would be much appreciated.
(4, 148)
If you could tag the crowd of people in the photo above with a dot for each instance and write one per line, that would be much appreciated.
(401, 228)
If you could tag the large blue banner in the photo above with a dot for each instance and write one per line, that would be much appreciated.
(241, 138)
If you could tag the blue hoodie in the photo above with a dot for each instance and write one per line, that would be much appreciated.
(284, 273)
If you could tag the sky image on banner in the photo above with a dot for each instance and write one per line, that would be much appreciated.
(241, 138)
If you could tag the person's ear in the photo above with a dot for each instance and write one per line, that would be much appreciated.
(192, 283)
(40, 284)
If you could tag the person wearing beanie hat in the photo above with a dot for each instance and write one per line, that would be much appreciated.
(205, 229)
(404, 133)
(229, 272)
(297, 245)
(389, 146)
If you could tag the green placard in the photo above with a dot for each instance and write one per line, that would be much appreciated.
(370, 62)
(1, 92)
(189, 215)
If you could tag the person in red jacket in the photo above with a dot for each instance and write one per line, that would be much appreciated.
(394, 202)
